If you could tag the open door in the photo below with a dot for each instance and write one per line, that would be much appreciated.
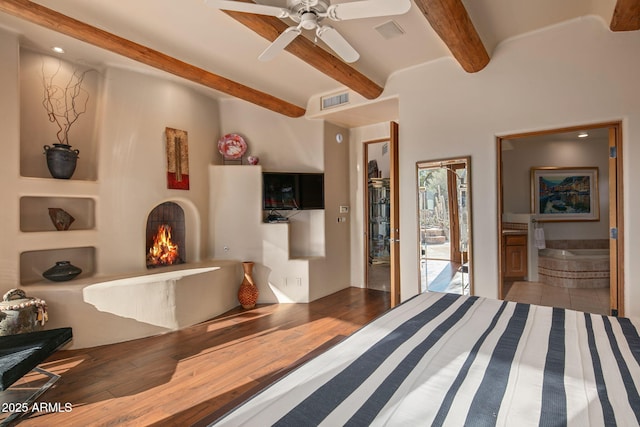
(534, 146)
(395, 216)
(444, 225)
(616, 287)
(456, 200)
(381, 220)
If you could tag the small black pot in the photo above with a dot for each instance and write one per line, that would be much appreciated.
(61, 160)
(62, 271)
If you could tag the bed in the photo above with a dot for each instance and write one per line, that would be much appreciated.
(443, 359)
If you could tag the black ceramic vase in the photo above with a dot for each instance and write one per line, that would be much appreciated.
(61, 272)
(61, 160)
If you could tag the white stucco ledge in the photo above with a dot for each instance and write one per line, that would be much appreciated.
(153, 276)
(115, 308)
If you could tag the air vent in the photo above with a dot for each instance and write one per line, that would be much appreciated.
(335, 100)
(389, 30)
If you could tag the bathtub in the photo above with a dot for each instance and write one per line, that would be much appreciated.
(574, 268)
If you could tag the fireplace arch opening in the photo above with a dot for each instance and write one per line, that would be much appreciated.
(165, 236)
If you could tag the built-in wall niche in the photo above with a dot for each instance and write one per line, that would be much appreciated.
(34, 213)
(34, 263)
(36, 130)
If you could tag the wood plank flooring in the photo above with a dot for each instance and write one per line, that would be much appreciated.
(178, 378)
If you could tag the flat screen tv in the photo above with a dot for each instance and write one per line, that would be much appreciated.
(290, 190)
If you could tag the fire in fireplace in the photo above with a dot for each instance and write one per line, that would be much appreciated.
(163, 251)
(165, 236)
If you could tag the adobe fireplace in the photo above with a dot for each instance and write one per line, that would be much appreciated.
(165, 236)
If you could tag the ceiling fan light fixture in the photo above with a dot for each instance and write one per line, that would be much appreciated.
(308, 14)
(309, 21)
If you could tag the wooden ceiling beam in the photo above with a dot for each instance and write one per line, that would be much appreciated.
(56, 21)
(270, 28)
(451, 22)
(626, 16)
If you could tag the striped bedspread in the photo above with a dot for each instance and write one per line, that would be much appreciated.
(442, 359)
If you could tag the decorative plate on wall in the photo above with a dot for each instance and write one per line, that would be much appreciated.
(232, 146)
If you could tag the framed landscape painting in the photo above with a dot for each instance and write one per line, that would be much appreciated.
(565, 194)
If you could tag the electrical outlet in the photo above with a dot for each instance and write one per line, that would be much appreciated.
(226, 248)
(344, 209)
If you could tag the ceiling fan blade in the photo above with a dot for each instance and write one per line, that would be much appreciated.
(367, 9)
(280, 43)
(337, 43)
(240, 6)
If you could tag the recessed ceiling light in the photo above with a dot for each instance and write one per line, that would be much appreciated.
(583, 135)
(57, 49)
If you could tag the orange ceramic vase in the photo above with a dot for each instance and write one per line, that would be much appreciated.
(248, 292)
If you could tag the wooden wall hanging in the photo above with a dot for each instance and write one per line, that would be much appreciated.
(177, 159)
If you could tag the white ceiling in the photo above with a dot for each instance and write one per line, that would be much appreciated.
(192, 32)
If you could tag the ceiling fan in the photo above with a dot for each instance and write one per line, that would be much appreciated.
(308, 14)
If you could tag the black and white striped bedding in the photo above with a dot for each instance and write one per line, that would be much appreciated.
(442, 359)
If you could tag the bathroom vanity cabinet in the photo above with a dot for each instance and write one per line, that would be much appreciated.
(514, 255)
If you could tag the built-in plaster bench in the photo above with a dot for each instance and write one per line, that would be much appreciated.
(22, 353)
(114, 308)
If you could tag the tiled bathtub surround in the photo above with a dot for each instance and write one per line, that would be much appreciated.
(578, 244)
(574, 268)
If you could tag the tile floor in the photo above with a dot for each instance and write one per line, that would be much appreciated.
(441, 277)
(589, 300)
(380, 277)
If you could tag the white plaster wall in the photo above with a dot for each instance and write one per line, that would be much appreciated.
(332, 272)
(133, 111)
(377, 153)
(235, 212)
(304, 259)
(238, 232)
(132, 174)
(9, 172)
(35, 127)
(574, 73)
(283, 144)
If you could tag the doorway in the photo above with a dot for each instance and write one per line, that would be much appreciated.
(444, 225)
(381, 215)
(559, 227)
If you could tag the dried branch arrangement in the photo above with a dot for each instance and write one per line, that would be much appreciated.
(66, 104)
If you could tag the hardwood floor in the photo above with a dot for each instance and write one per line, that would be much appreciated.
(178, 378)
